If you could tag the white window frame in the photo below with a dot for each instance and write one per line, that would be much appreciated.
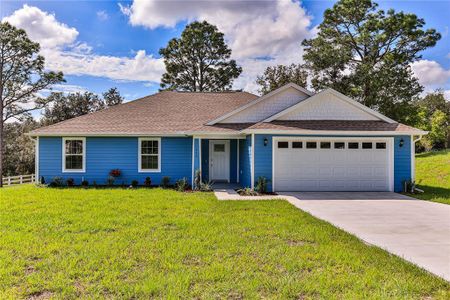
(83, 169)
(140, 170)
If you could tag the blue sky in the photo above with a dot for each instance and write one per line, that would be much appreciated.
(101, 44)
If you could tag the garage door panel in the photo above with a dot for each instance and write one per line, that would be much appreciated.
(300, 169)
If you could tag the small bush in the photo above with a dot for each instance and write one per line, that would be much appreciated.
(197, 179)
(134, 183)
(165, 182)
(42, 181)
(110, 180)
(261, 185)
(57, 182)
(182, 185)
(115, 173)
(85, 183)
(148, 182)
(247, 192)
(206, 186)
(70, 182)
(94, 183)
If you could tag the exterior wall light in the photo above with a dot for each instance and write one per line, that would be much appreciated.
(266, 141)
(401, 143)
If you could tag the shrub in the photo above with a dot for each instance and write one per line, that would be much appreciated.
(56, 182)
(70, 182)
(94, 183)
(261, 185)
(84, 183)
(148, 182)
(165, 181)
(134, 183)
(115, 173)
(42, 181)
(110, 180)
(206, 186)
(197, 179)
(247, 192)
(182, 185)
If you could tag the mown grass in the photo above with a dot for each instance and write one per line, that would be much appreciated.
(112, 243)
(433, 176)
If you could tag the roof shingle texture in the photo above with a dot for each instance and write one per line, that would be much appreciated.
(165, 112)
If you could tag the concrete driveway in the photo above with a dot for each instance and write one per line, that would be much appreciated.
(418, 231)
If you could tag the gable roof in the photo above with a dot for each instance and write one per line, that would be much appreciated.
(260, 99)
(166, 112)
(333, 92)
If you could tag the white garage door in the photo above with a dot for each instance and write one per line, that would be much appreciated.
(338, 164)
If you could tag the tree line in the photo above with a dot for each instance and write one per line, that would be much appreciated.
(360, 50)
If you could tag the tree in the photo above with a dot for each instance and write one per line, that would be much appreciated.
(70, 106)
(199, 61)
(22, 75)
(19, 148)
(277, 76)
(365, 53)
(433, 115)
(112, 97)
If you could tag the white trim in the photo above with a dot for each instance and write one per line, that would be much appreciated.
(332, 132)
(140, 140)
(219, 136)
(252, 174)
(413, 156)
(257, 100)
(389, 143)
(36, 160)
(237, 175)
(83, 169)
(340, 96)
(113, 134)
(227, 151)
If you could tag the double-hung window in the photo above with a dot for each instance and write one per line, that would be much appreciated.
(149, 155)
(74, 154)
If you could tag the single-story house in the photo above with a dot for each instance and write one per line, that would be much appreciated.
(298, 140)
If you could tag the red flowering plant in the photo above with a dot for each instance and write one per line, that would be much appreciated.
(114, 173)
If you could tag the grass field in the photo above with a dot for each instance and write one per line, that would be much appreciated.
(433, 176)
(75, 243)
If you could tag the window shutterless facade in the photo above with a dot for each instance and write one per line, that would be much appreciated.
(74, 155)
(149, 155)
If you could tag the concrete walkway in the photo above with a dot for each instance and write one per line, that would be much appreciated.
(418, 231)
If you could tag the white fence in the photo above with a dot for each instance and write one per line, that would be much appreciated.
(20, 179)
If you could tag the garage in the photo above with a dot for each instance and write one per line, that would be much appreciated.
(332, 164)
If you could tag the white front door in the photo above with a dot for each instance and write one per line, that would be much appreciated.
(219, 160)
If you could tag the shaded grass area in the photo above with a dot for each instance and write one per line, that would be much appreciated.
(75, 243)
(433, 176)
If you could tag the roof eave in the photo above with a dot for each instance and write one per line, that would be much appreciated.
(334, 132)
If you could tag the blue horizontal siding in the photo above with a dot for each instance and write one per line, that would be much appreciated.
(245, 153)
(402, 159)
(106, 153)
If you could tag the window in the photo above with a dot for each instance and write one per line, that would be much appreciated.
(367, 145)
(297, 145)
(150, 155)
(74, 154)
(311, 145)
(219, 147)
(353, 145)
(381, 145)
(325, 145)
(339, 145)
(283, 145)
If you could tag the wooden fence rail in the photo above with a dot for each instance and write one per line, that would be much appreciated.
(20, 179)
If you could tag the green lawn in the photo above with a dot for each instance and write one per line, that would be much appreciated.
(433, 176)
(71, 243)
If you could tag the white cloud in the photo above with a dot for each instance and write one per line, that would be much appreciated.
(252, 28)
(64, 53)
(42, 27)
(102, 15)
(430, 73)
